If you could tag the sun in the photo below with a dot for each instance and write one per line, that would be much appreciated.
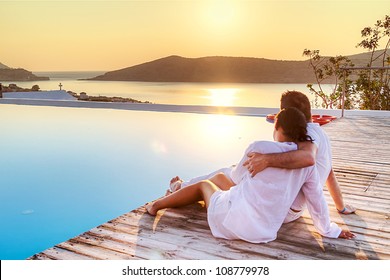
(221, 14)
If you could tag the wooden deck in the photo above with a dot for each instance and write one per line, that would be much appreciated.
(361, 159)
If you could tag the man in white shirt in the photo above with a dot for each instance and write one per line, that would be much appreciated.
(318, 153)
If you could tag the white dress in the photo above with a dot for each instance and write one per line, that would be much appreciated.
(255, 208)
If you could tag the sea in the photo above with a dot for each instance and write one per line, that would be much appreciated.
(208, 94)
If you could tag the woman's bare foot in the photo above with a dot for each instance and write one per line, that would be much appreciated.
(175, 184)
(149, 207)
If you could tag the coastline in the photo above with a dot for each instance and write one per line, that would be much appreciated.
(197, 109)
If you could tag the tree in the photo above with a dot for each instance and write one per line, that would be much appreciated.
(329, 70)
(371, 89)
(373, 84)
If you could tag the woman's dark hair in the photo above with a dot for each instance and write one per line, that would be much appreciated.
(297, 99)
(293, 123)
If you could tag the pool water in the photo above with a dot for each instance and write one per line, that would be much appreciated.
(64, 171)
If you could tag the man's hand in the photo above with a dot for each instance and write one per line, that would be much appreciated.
(255, 163)
(303, 157)
(346, 234)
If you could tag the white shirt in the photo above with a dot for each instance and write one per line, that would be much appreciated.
(259, 205)
(324, 154)
(323, 163)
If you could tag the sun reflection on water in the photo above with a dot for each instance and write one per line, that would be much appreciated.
(222, 96)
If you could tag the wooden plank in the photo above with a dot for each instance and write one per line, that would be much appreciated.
(56, 253)
(94, 252)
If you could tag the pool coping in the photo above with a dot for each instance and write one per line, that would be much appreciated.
(199, 109)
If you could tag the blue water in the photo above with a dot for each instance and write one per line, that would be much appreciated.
(64, 171)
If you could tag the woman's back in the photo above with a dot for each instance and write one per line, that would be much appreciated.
(259, 205)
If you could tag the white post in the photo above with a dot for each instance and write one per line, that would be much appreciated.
(343, 98)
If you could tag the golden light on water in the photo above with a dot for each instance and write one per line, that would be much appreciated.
(220, 126)
(222, 96)
(159, 147)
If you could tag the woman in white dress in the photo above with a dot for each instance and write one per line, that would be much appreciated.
(253, 208)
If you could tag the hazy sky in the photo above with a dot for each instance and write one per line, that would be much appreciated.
(109, 35)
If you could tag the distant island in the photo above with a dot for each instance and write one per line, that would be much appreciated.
(220, 69)
(216, 69)
(18, 75)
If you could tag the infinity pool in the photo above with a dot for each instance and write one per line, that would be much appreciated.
(64, 171)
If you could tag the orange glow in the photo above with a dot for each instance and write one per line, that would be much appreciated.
(109, 35)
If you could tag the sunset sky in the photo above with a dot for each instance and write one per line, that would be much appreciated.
(109, 35)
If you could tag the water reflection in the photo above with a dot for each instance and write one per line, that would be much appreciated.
(223, 96)
(67, 170)
(159, 147)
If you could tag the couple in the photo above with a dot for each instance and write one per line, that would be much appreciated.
(252, 205)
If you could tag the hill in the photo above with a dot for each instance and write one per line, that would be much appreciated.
(2, 66)
(363, 59)
(222, 69)
(9, 74)
(214, 69)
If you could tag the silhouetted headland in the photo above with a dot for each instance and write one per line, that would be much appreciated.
(214, 70)
(219, 69)
(19, 74)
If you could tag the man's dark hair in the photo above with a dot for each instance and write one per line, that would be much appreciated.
(298, 100)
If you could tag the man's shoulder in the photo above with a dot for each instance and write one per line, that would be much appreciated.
(316, 132)
(313, 126)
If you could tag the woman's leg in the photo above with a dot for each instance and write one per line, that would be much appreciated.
(222, 181)
(176, 182)
(185, 196)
